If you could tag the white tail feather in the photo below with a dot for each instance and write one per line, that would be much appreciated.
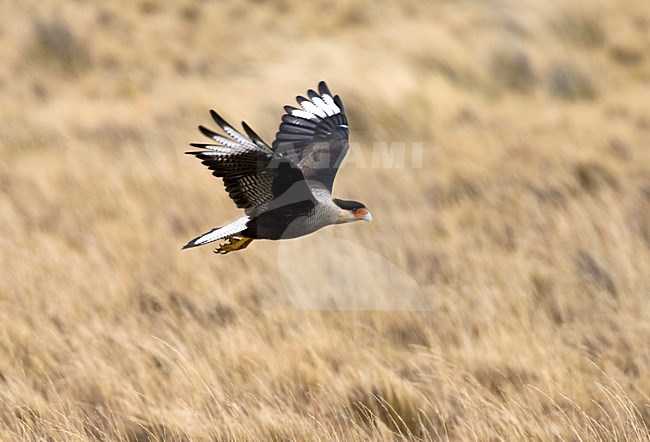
(233, 228)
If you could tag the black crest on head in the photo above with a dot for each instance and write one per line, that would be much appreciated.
(348, 205)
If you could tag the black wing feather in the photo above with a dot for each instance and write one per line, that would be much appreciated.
(298, 121)
(254, 177)
(295, 129)
(323, 89)
(316, 143)
(207, 132)
(339, 103)
(253, 136)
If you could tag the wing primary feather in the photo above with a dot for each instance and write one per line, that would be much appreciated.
(329, 102)
(212, 147)
(313, 109)
(318, 102)
(304, 114)
(323, 89)
(298, 121)
(253, 136)
(220, 138)
(339, 103)
(217, 119)
(207, 132)
(230, 130)
(195, 153)
(293, 128)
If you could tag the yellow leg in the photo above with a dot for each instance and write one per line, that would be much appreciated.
(234, 243)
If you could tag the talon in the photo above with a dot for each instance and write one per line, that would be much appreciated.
(233, 243)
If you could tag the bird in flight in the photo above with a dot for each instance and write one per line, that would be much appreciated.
(285, 189)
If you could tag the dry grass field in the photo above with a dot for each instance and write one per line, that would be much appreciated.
(501, 292)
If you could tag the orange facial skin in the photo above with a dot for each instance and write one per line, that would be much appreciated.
(360, 213)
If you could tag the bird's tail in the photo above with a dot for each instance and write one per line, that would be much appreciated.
(230, 231)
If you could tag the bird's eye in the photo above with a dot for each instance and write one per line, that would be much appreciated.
(354, 210)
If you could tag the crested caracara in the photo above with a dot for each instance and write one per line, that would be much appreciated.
(285, 189)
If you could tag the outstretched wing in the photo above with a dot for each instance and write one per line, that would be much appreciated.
(255, 178)
(314, 137)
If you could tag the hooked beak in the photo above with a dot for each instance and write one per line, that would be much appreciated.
(367, 217)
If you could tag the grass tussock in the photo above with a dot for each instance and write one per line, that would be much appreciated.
(580, 28)
(500, 293)
(512, 69)
(569, 81)
(55, 44)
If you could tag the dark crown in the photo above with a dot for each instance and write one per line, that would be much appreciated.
(348, 205)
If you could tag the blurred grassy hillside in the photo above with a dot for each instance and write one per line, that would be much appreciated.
(501, 291)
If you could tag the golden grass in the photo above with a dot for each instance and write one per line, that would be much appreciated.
(509, 273)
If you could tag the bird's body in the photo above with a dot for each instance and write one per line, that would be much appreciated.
(285, 189)
(282, 223)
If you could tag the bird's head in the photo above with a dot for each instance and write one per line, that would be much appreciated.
(352, 211)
